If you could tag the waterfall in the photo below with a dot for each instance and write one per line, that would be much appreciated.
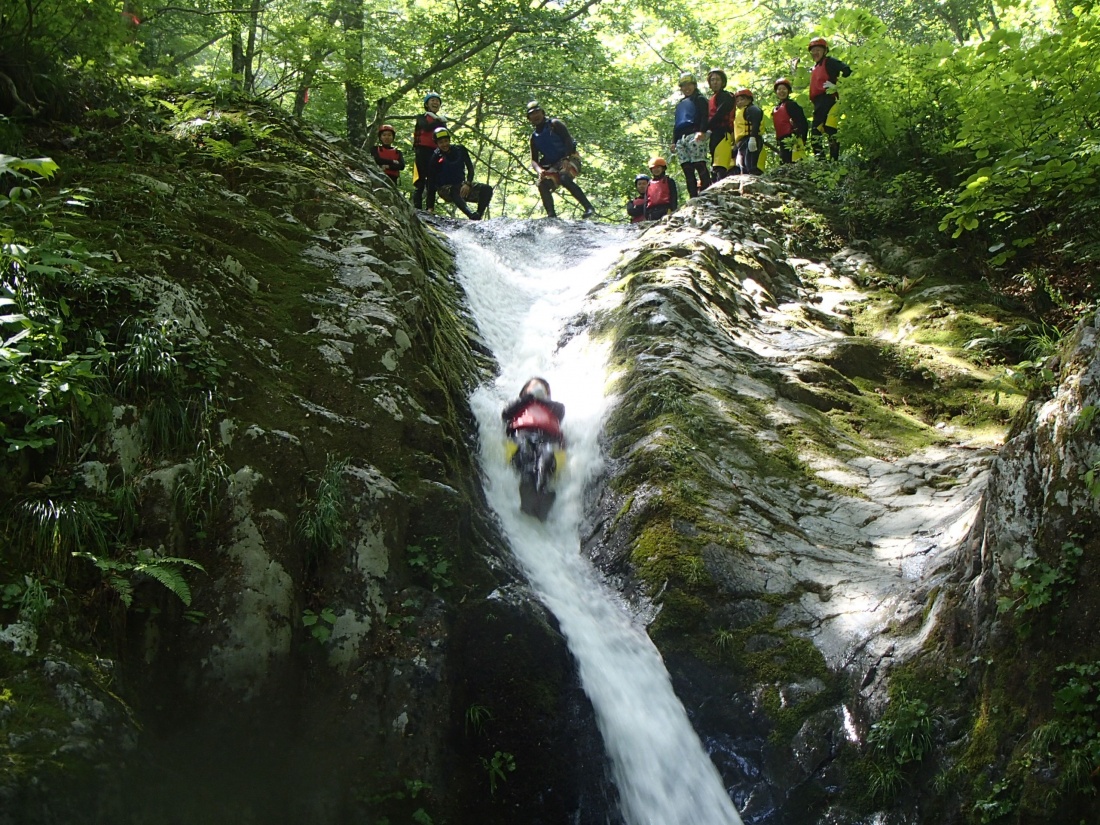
(525, 282)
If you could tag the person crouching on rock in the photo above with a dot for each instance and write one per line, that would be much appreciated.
(635, 208)
(661, 196)
(446, 178)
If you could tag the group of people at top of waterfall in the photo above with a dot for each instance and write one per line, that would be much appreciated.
(728, 131)
(711, 137)
(444, 169)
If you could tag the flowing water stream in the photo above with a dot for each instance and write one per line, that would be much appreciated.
(526, 282)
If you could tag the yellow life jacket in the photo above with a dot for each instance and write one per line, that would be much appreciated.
(740, 125)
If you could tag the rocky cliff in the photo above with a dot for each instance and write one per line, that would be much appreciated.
(806, 496)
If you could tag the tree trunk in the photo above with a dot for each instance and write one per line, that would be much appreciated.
(250, 53)
(353, 72)
(238, 57)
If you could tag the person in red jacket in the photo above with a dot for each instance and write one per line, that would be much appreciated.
(823, 95)
(424, 143)
(533, 422)
(387, 155)
(661, 196)
(789, 122)
(636, 208)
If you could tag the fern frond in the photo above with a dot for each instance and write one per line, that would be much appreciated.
(170, 577)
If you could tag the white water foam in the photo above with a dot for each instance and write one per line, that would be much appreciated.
(525, 281)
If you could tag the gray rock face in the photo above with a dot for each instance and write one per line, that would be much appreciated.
(760, 502)
(1039, 494)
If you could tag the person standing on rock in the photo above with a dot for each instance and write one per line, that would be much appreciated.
(689, 135)
(554, 156)
(747, 119)
(446, 179)
(823, 94)
(635, 208)
(661, 196)
(719, 109)
(789, 122)
(424, 143)
(387, 155)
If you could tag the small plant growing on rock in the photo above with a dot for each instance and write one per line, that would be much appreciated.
(1036, 583)
(320, 624)
(498, 767)
(476, 716)
(323, 517)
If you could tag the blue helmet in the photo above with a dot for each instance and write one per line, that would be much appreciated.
(429, 96)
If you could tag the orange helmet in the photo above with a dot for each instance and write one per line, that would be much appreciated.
(782, 82)
(818, 41)
(385, 127)
(658, 161)
(743, 93)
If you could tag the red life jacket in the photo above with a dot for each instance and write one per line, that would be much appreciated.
(817, 79)
(537, 416)
(424, 133)
(781, 120)
(639, 203)
(388, 153)
(658, 193)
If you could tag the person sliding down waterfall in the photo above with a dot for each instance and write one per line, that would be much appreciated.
(533, 423)
(554, 156)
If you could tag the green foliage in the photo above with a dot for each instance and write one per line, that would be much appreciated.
(320, 624)
(121, 575)
(201, 485)
(50, 379)
(1036, 584)
(30, 598)
(498, 767)
(1074, 732)
(904, 735)
(50, 530)
(430, 562)
(323, 519)
(476, 717)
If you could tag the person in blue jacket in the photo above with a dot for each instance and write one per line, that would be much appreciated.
(451, 177)
(690, 137)
(554, 156)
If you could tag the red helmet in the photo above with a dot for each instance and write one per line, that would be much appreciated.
(743, 92)
(818, 41)
(782, 82)
(385, 127)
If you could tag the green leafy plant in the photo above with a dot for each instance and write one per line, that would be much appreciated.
(430, 562)
(201, 485)
(1036, 584)
(498, 767)
(1074, 732)
(30, 598)
(122, 574)
(476, 717)
(904, 735)
(320, 624)
(322, 519)
(50, 529)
